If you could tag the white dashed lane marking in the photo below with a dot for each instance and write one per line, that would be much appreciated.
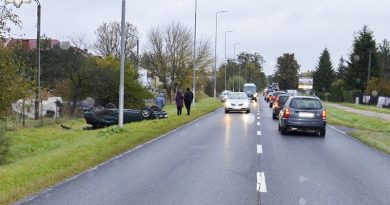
(259, 149)
(261, 186)
(258, 123)
(259, 133)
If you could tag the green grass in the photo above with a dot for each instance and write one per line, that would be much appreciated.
(371, 108)
(370, 130)
(41, 157)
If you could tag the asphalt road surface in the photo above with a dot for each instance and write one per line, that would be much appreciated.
(234, 158)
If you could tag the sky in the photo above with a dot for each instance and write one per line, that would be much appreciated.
(270, 28)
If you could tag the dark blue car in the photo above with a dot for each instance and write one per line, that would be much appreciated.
(303, 113)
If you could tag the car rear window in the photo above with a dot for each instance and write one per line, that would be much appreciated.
(283, 99)
(306, 103)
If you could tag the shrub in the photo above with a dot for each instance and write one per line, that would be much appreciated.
(5, 143)
(337, 91)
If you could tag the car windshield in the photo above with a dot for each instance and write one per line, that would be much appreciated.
(306, 103)
(251, 89)
(238, 96)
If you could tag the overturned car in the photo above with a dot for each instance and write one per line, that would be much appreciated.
(103, 117)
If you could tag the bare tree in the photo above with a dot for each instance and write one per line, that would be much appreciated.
(7, 17)
(109, 37)
(79, 41)
(169, 55)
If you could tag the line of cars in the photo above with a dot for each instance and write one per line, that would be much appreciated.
(297, 113)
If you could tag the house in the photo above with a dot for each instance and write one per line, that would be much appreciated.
(28, 44)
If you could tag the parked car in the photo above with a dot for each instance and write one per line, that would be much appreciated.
(237, 101)
(274, 96)
(103, 117)
(302, 113)
(279, 104)
(224, 95)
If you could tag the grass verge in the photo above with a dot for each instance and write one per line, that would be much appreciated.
(371, 131)
(371, 108)
(42, 157)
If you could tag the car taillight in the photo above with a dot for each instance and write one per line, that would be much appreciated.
(324, 115)
(286, 113)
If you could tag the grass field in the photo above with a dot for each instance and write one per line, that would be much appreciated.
(41, 157)
(371, 108)
(372, 131)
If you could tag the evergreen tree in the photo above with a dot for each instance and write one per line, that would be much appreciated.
(342, 69)
(287, 70)
(323, 75)
(384, 60)
(364, 46)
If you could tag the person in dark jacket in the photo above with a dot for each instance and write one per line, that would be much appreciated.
(188, 97)
(179, 102)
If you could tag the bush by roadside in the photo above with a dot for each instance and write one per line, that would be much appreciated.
(5, 143)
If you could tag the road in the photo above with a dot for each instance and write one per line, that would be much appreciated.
(234, 159)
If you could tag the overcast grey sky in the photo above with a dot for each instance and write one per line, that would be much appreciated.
(271, 28)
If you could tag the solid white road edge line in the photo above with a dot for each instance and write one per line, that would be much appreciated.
(261, 186)
(259, 149)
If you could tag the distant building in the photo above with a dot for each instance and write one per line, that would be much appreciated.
(148, 80)
(28, 44)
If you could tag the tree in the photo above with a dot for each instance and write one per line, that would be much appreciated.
(363, 47)
(286, 73)
(169, 56)
(341, 69)
(14, 85)
(384, 60)
(323, 74)
(7, 17)
(108, 40)
(249, 68)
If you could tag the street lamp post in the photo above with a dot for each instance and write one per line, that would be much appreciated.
(122, 67)
(194, 55)
(17, 4)
(234, 52)
(229, 31)
(215, 52)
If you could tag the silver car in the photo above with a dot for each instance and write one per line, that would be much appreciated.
(301, 113)
(237, 101)
(224, 95)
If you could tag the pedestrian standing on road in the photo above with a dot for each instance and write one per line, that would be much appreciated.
(179, 101)
(188, 97)
(160, 101)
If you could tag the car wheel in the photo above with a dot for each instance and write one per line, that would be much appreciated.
(284, 130)
(248, 111)
(322, 132)
(226, 111)
(146, 112)
(154, 109)
(274, 116)
(270, 105)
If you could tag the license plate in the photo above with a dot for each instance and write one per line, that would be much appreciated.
(306, 115)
